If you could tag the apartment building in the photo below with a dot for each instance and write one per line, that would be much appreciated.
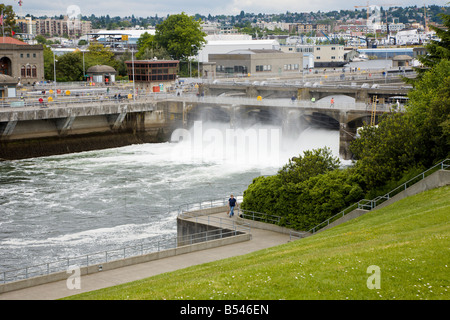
(60, 27)
(308, 28)
(26, 25)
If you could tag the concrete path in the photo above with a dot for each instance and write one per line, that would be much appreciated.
(261, 239)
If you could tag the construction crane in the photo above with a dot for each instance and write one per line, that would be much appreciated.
(368, 9)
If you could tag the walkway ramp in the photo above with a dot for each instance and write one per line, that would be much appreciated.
(260, 239)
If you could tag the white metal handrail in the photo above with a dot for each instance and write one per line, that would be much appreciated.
(162, 243)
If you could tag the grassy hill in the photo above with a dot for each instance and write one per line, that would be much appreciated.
(408, 241)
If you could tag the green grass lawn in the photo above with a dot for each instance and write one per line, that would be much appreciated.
(409, 242)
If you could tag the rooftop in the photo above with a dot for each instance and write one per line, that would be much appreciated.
(152, 61)
(101, 69)
(9, 40)
(254, 51)
(5, 79)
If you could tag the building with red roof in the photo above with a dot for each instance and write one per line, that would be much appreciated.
(21, 61)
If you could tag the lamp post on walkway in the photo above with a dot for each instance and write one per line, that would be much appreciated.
(54, 71)
(132, 66)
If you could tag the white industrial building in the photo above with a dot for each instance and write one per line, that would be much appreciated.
(224, 45)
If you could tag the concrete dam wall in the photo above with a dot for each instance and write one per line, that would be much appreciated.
(32, 131)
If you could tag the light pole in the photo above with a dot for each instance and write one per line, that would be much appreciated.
(132, 66)
(84, 72)
(54, 71)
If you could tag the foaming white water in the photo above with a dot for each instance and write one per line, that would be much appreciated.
(122, 233)
(66, 205)
(264, 147)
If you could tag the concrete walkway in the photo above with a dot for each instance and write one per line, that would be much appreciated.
(261, 239)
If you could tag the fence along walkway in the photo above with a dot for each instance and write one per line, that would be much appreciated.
(260, 239)
(368, 205)
(362, 205)
(226, 227)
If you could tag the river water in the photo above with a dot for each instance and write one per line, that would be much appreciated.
(76, 204)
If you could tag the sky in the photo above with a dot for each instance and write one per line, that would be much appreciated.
(145, 8)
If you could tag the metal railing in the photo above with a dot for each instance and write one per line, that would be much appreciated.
(371, 204)
(362, 204)
(365, 204)
(17, 104)
(261, 217)
(286, 102)
(295, 78)
(205, 204)
(226, 228)
(221, 223)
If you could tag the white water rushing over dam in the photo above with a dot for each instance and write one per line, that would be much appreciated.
(75, 204)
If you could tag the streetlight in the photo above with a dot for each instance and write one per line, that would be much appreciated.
(132, 66)
(84, 72)
(54, 70)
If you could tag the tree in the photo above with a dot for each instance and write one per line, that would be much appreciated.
(9, 21)
(41, 39)
(429, 107)
(181, 35)
(48, 63)
(69, 67)
(312, 163)
(438, 49)
(387, 151)
(306, 191)
(416, 139)
(148, 48)
(99, 55)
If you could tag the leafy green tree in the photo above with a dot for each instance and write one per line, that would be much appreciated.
(41, 39)
(306, 191)
(418, 138)
(429, 108)
(262, 194)
(99, 55)
(181, 35)
(385, 152)
(318, 198)
(9, 21)
(438, 49)
(148, 48)
(312, 163)
(48, 63)
(69, 67)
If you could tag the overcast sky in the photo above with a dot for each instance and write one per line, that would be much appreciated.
(144, 8)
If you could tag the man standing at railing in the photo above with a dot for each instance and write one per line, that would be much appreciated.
(232, 202)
